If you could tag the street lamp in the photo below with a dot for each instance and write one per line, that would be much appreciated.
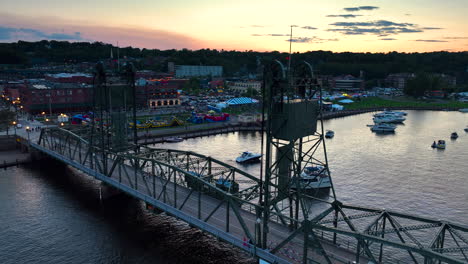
(14, 126)
(28, 129)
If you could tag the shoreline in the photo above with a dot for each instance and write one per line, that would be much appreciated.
(248, 127)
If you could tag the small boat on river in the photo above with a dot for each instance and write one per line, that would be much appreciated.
(314, 177)
(440, 144)
(247, 156)
(463, 110)
(454, 135)
(329, 134)
(466, 129)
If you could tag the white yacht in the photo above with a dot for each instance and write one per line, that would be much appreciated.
(383, 127)
(314, 177)
(389, 119)
(394, 112)
(248, 157)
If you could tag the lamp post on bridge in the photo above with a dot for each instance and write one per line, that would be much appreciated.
(28, 130)
(14, 126)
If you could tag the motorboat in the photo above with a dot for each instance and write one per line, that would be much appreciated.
(463, 110)
(466, 129)
(389, 119)
(440, 144)
(454, 135)
(329, 134)
(434, 145)
(314, 177)
(174, 139)
(383, 127)
(247, 156)
(394, 112)
(384, 114)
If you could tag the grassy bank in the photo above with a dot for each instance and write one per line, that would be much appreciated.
(374, 102)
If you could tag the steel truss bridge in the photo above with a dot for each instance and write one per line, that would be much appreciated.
(202, 191)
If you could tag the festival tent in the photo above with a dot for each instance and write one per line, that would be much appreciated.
(346, 101)
(241, 101)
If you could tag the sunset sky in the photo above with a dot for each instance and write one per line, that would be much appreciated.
(262, 25)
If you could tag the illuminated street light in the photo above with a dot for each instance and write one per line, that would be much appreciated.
(14, 126)
(62, 124)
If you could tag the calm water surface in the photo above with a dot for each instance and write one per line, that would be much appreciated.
(44, 220)
(397, 171)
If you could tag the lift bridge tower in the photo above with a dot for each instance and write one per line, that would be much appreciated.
(294, 143)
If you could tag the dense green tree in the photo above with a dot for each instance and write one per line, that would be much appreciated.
(6, 118)
(424, 82)
(237, 63)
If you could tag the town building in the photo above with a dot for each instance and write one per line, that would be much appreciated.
(347, 83)
(70, 78)
(183, 71)
(158, 93)
(398, 80)
(244, 86)
(39, 95)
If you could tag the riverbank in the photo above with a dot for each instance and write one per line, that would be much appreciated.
(11, 153)
(405, 104)
(160, 136)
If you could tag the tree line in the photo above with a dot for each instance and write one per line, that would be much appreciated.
(240, 63)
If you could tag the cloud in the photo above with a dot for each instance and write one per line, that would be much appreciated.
(309, 27)
(379, 27)
(345, 16)
(8, 33)
(310, 40)
(431, 28)
(270, 35)
(388, 39)
(430, 40)
(359, 8)
(16, 27)
(455, 38)
(278, 35)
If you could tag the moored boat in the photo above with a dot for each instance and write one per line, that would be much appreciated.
(383, 127)
(463, 110)
(389, 119)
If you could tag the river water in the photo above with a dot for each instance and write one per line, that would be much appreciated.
(50, 214)
(399, 171)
